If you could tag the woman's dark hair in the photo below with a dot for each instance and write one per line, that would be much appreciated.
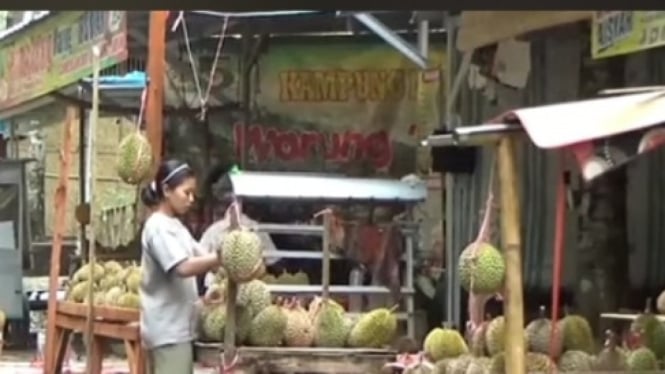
(170, 173)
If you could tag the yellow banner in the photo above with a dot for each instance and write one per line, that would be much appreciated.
(57, 52)
(616, 33)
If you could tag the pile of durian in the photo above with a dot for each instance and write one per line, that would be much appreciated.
(262, 321)
(575, 352)
(114, 285)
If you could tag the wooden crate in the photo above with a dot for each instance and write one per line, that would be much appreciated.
(287, 360)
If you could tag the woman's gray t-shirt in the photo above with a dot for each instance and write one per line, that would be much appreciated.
(169, 303)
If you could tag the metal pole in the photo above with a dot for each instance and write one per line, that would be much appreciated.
(452, 299)
(423, 37)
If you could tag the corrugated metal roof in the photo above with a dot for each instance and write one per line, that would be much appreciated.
(304, 186)
(36, 17)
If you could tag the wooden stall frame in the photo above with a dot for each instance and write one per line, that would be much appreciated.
(63, 318)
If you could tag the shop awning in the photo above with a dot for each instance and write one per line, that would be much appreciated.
(481, 28)
(608, 130)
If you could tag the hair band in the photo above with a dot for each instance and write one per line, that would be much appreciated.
(174, 172)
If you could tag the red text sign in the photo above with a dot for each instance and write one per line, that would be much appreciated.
(265, 143)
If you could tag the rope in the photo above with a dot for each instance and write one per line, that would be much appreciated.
(144, 98)
(203, 99)
(476, 302)
(228, 369)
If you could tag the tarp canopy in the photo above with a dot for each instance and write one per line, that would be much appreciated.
(603, 133)
(482, 28)
(560, 125)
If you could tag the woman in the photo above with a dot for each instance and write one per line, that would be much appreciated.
(171, 260)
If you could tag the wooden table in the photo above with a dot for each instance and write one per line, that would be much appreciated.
(258, 360)
(114, 323)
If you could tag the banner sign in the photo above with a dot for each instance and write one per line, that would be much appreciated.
(339, 107)
(57, 52)
(621, 32)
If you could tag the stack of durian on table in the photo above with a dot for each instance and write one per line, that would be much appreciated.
(262, 320)
(482, 270)
(114, 285)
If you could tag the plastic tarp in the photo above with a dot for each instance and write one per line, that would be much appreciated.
(481, 28)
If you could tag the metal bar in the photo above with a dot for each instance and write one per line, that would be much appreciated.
(459, 78)
(630, 90)
(423, 38)
(348, 290)
(275, 13)
(472, 135)
(325, 263)
(309, 255)
(275, 228)
(451, 280)
(374, 24)
(410, 304)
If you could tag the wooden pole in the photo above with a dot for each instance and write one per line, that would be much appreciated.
(156, 71)
(92, 256)
(60, 202)
(512, 246)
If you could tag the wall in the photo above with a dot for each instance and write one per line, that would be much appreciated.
(646, 187)
(48, 122)
(318, 105)
(550, 81)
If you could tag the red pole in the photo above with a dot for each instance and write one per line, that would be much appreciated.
(154, 115)
(559, 237)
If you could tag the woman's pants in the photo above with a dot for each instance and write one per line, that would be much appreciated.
(172, 359)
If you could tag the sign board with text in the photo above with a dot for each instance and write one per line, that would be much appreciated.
(616, 33)
(57, 51)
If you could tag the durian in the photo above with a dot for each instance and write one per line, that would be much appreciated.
(374, 329)
(299, 330)
(651, 329)
(642, 359)
(575, 361)
(443, 343)
(254, 295)
(538, 335)
(214, 322)
(242, 255)
(611, 358)
(495, 335)
(134, 161)
(482, 268)
(577, 334)
(330, 325)
(267, 328)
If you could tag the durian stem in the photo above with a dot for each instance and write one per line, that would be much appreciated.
(394, 308)
(510, 236)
